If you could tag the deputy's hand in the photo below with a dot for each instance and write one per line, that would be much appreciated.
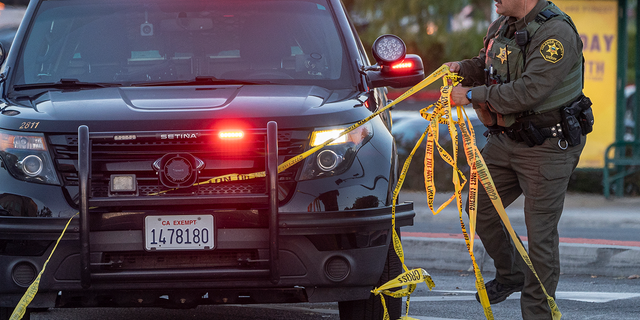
(459, 96)
(453, 66)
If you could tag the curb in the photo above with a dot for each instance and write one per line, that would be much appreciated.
(575, 258)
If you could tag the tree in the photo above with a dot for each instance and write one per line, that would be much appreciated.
(424, 25)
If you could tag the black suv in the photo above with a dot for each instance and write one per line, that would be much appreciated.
(163, 124)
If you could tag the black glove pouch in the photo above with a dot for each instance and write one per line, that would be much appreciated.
(571, 129)
(586, 121)
(531, 135)
(586, 115)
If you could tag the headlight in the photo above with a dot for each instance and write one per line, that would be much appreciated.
(336, 157)
(26, 157)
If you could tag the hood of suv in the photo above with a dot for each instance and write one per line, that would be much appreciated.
(186, 108)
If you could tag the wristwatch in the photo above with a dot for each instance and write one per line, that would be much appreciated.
(469, 95)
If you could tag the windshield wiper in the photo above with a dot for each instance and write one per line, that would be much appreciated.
(198, 81)
(65, 84)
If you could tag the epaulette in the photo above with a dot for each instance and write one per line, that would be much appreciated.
(545, 15)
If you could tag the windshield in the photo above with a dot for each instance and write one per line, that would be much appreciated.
(153, 41)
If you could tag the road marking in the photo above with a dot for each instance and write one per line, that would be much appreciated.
(597, 297)
(286, 308)
(325, 311)
(461, 295)
(431, 318)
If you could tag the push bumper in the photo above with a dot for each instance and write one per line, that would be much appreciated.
(356, 240)
(301, 256)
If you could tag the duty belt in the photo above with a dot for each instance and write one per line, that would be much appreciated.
(513, 132)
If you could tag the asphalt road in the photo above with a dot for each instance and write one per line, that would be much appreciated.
(587, 216)
(578, 297)
(439, 224)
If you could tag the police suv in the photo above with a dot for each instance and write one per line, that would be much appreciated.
(162, 124)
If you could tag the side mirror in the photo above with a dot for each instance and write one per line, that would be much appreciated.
(395, 68)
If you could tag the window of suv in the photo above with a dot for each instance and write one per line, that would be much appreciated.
(132, 42)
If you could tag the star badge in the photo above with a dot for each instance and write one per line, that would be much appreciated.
(503, 55)
(552, 50)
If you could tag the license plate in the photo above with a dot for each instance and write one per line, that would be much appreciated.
(192, 232)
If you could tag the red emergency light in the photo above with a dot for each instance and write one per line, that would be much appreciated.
(404, 65)
(232, 141)
(231, 134)
(410, 65)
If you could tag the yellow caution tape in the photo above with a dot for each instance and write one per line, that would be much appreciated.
(397, 245)
(441, 114)
(409, 274)
(28, 296)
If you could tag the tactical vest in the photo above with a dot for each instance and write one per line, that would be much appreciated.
(508, 60)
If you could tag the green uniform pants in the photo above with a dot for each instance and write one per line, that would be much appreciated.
(542, 174)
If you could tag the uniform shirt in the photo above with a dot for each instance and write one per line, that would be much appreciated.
(539, 78)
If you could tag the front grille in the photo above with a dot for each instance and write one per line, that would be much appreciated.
(207, 189)
(174, 260)
(110, 156)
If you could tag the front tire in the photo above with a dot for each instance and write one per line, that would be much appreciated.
(5, 313)
(371, 308)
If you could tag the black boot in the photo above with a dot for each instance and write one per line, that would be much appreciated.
(498, 292)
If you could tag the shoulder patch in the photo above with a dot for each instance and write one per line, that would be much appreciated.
(552, 50)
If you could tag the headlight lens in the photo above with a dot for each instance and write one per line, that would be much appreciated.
(321, 136)
(336, 157)
(27, 158)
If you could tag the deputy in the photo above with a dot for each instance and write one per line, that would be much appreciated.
(526, 87)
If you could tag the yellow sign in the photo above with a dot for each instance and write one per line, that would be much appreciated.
(597, 23)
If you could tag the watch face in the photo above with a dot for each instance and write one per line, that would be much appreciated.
(469, 95)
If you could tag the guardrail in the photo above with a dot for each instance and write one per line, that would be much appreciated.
(623, 158)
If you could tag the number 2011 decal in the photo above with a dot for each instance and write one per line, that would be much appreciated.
(29, 125)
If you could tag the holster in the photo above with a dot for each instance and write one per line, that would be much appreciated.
(577, 120)
(586, 115)
(570, 124)
(586, 121)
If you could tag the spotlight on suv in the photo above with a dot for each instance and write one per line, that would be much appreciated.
(394, 67)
